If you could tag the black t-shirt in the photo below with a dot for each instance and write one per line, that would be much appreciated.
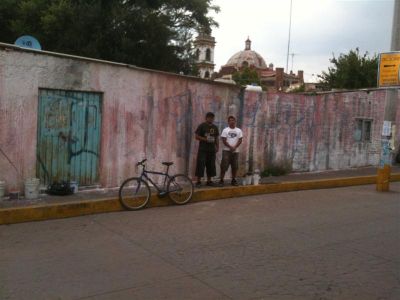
(211, 133)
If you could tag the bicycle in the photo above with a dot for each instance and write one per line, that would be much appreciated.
(135, 192)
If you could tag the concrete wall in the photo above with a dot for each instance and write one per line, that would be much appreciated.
(154, 114)
(313, 132)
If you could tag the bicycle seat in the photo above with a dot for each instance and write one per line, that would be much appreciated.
(167, 163)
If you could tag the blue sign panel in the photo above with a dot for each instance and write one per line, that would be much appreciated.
(27, 41)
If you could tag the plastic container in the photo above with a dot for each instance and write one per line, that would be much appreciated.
(32, 188)
(249, 178)
(256, 177)
(74, 186)
(2, 188)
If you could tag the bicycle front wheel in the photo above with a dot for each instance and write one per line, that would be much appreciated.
(134, 193)
(180, 189)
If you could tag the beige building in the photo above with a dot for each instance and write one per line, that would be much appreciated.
(270, 77)
(204, 47)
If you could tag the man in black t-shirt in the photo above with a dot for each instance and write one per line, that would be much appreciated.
(207, 133)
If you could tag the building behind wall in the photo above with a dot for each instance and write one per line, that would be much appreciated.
(204, 52)
(274, 79)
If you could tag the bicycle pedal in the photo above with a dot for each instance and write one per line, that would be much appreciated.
(162, 194)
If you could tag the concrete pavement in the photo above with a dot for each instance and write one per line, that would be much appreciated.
(322, 244)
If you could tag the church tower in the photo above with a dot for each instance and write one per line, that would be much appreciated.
(204, 54)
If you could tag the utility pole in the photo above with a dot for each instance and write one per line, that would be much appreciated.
(292, 54)
(391, 105)
(290, 30)
(396, 27)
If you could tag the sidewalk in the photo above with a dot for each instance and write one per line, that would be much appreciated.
(366, 171)
(106, 200)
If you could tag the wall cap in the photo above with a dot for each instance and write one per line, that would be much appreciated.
(11, 47)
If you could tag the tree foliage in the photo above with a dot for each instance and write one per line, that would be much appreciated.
(351, 71)
(148, 33)
(246, 76)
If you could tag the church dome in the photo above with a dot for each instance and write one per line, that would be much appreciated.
(247, 58)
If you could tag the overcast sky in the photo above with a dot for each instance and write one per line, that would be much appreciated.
(319, 28)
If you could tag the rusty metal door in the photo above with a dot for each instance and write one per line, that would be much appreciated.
(69, 125)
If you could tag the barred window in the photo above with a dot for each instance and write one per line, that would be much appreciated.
(363, 130)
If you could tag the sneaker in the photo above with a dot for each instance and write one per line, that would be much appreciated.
(234, 182)
(210, 183)
(198, 184)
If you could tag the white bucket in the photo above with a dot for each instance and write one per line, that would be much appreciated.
(32, 188)
(249, 179)
(2, 188)
(74, 186)
(256, 179)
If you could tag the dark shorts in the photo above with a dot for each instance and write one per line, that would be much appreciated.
(206, 160)
(229, 158)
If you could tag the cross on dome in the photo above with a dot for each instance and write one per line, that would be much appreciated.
(248, 44)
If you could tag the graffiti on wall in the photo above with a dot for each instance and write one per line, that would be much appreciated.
(154, 115)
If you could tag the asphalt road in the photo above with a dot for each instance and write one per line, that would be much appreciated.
(322, 244)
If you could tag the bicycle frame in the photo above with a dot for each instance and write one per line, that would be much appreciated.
(135, 192)
(166, 176)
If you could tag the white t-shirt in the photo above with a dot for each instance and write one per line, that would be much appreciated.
(232, 136)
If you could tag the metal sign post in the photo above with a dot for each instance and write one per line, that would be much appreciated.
(387, 140)
(389, 76)
(384, 170)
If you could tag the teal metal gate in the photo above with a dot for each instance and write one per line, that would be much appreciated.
(69, 125)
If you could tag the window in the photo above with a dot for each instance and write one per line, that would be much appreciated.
(207, 74)
(208, 54)
(245, 64)
(197, 54)
(363, 131)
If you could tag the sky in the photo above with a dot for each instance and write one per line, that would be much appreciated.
(319, 28)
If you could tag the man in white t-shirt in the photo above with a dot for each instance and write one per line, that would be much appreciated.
(231, 138)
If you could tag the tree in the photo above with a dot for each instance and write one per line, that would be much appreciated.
(147, 33)
(246, 76)
(351, 71)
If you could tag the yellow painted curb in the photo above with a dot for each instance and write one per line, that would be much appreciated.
(86, 207)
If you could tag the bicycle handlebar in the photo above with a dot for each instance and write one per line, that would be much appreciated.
(141, 162)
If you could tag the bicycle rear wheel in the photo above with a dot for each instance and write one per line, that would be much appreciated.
(134, 193)
(180, 189)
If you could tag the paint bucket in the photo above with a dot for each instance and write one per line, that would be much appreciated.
(32, 188)
(2, 188)
(74, 186)
(256, 179)
(249, 179)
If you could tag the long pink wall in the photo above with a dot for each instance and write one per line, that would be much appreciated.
(313, 132)
(154, 115)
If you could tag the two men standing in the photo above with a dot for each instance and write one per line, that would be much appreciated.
(208, 135)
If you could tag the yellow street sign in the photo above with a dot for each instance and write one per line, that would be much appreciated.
(389, 69)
